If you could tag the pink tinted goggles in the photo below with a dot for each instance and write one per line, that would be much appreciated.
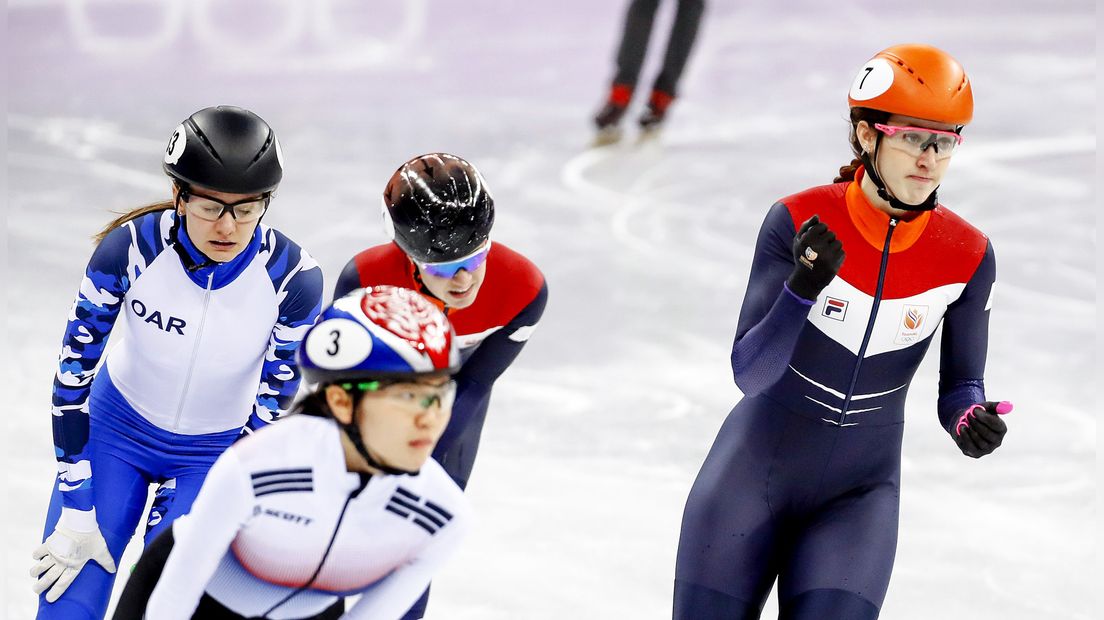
(916, 140)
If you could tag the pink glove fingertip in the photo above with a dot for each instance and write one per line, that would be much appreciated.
(1004, 407)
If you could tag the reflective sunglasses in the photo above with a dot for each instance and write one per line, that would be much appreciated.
(448, 269)
(212, 209)
(916, 140)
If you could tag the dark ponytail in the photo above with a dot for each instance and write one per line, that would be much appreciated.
(847, 173)
(313, 404)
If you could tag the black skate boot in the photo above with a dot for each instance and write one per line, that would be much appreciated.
(652, 119)
(608, 119)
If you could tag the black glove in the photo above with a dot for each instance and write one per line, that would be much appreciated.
(817, 257)
(979, 430)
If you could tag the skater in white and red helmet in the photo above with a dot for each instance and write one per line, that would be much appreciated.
(338, 499)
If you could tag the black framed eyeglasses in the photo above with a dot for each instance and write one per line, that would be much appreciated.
(212, 209)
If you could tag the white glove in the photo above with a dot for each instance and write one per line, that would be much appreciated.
(75, 540)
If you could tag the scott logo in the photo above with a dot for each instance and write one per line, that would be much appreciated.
(155, 318)
(834, 308)
(279, 514)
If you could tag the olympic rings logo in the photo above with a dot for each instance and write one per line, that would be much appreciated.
(316, 31)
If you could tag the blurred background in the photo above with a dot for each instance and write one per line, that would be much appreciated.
(596, 433)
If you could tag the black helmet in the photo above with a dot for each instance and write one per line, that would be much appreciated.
(437, 208)
(226, 149)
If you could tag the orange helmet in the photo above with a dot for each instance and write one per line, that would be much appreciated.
(914, 80)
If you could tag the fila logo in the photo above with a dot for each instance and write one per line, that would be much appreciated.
(422, 512)
(834, 308)
(912, 324)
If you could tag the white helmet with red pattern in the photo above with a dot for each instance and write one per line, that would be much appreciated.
(377, 333)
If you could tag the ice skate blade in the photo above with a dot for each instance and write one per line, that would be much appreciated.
(607, 136)
(649, 134)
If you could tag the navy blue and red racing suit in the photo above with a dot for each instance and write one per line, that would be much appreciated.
(802, 482)
(491, 332)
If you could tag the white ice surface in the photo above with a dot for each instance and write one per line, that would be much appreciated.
(598, 430)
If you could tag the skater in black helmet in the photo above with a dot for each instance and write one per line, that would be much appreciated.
(215, 302)
(439, 212)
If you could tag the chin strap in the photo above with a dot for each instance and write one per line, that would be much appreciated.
(424, 290)
(884, 194)
(358, 442)
(190, 263)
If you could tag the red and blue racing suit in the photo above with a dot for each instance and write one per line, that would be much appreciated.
(802, 482)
